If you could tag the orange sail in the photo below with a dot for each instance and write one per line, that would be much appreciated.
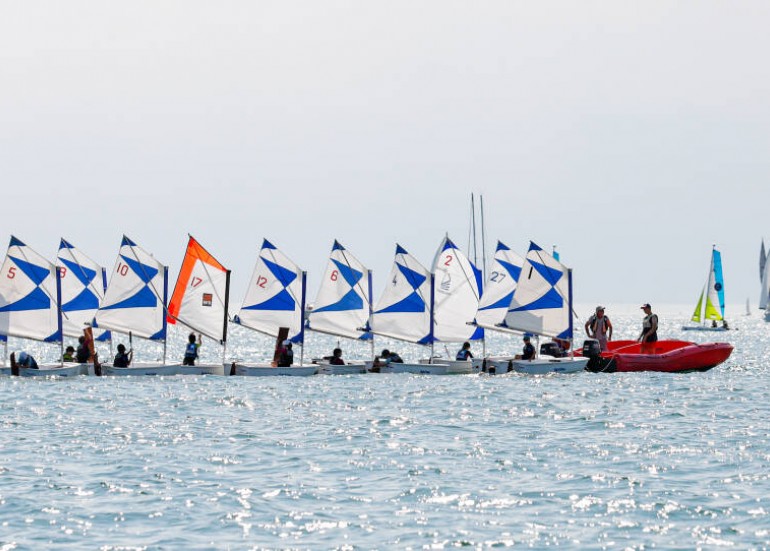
(200, 295)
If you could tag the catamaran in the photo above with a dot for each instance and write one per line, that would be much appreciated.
(540, 305)
(30, 308)
(135, 304)
(275, 299)
(711, 304)
(343, 306)
(200, 300)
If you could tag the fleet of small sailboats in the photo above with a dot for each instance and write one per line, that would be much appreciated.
(449, 303)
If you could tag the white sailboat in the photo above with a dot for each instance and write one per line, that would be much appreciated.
(30, 308)
(541, 305)
(500, 286)
(711, 303)
(343, 305)
(429, 307)
(135, 304)
(200, 301)
(275, 299)
(764, 294)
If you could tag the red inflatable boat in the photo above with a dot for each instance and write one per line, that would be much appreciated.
(669, 356)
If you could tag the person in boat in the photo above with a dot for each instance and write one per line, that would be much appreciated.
(69, 354)
(387, 357)
(724, 325)
(286, 354)
(191, 351)
(123, 358)
(528, 352)
(464, 354)
(25, 360)
(336, 358)
(83, 353)
(649, 333)
(714, 324)
(599, 327)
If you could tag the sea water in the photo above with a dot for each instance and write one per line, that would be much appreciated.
(393, 461)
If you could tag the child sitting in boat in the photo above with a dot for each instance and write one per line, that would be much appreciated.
(464, 354)
(123, 359)
(191, 351)
(336, 358)
(69, 354)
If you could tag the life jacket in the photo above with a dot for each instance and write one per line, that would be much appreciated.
(593, 323)
(191, 351)
(463, 355)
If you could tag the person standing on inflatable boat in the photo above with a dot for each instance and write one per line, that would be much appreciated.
(649, 333)
(599, 327)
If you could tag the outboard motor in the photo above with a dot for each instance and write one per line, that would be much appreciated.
(593, 351)
(551, 349)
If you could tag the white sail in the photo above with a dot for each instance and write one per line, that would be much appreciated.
(275, 297)
(764, 293)
(136, 294)
(457, 289)
(343, 304)
(499, 287)
(83, 283)
(403, 311)
(30, 295)
(201, 293)
(542, 301)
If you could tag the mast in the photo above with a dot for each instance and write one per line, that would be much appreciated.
(371, 313)
(569, 315)
(302, 320)
(165, 317)
(225, 320)
(59, 321)
(432, 304)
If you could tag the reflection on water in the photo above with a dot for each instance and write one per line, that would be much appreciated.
(594, 460)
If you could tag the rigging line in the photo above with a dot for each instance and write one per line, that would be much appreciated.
(483, 239)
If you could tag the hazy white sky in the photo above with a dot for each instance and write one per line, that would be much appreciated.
(632, 134)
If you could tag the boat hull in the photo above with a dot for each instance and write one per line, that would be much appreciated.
(56, 370)
(669, 356)
(414, 369)
(539, 366)
(325, 368)
(455, 367)
(702, 328)
(140, 369)
(266, 370)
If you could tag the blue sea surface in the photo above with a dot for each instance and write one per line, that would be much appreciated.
(393, 461)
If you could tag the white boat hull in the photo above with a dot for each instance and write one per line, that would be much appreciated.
(702, 328)
(539, 366)
(56, 370)
(325, 368)
(140, 369)
(202, 369)
(414, 369)
(265, 370)
(455, 367)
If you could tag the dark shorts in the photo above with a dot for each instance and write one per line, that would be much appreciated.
(652, 338)
(188, 361)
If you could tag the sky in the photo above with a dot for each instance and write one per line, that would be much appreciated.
(632, 135)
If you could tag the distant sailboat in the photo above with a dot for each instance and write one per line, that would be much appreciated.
(711, 304)
(764, 270)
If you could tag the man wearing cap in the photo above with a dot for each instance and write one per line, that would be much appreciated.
(649, 328)
(599, 327)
